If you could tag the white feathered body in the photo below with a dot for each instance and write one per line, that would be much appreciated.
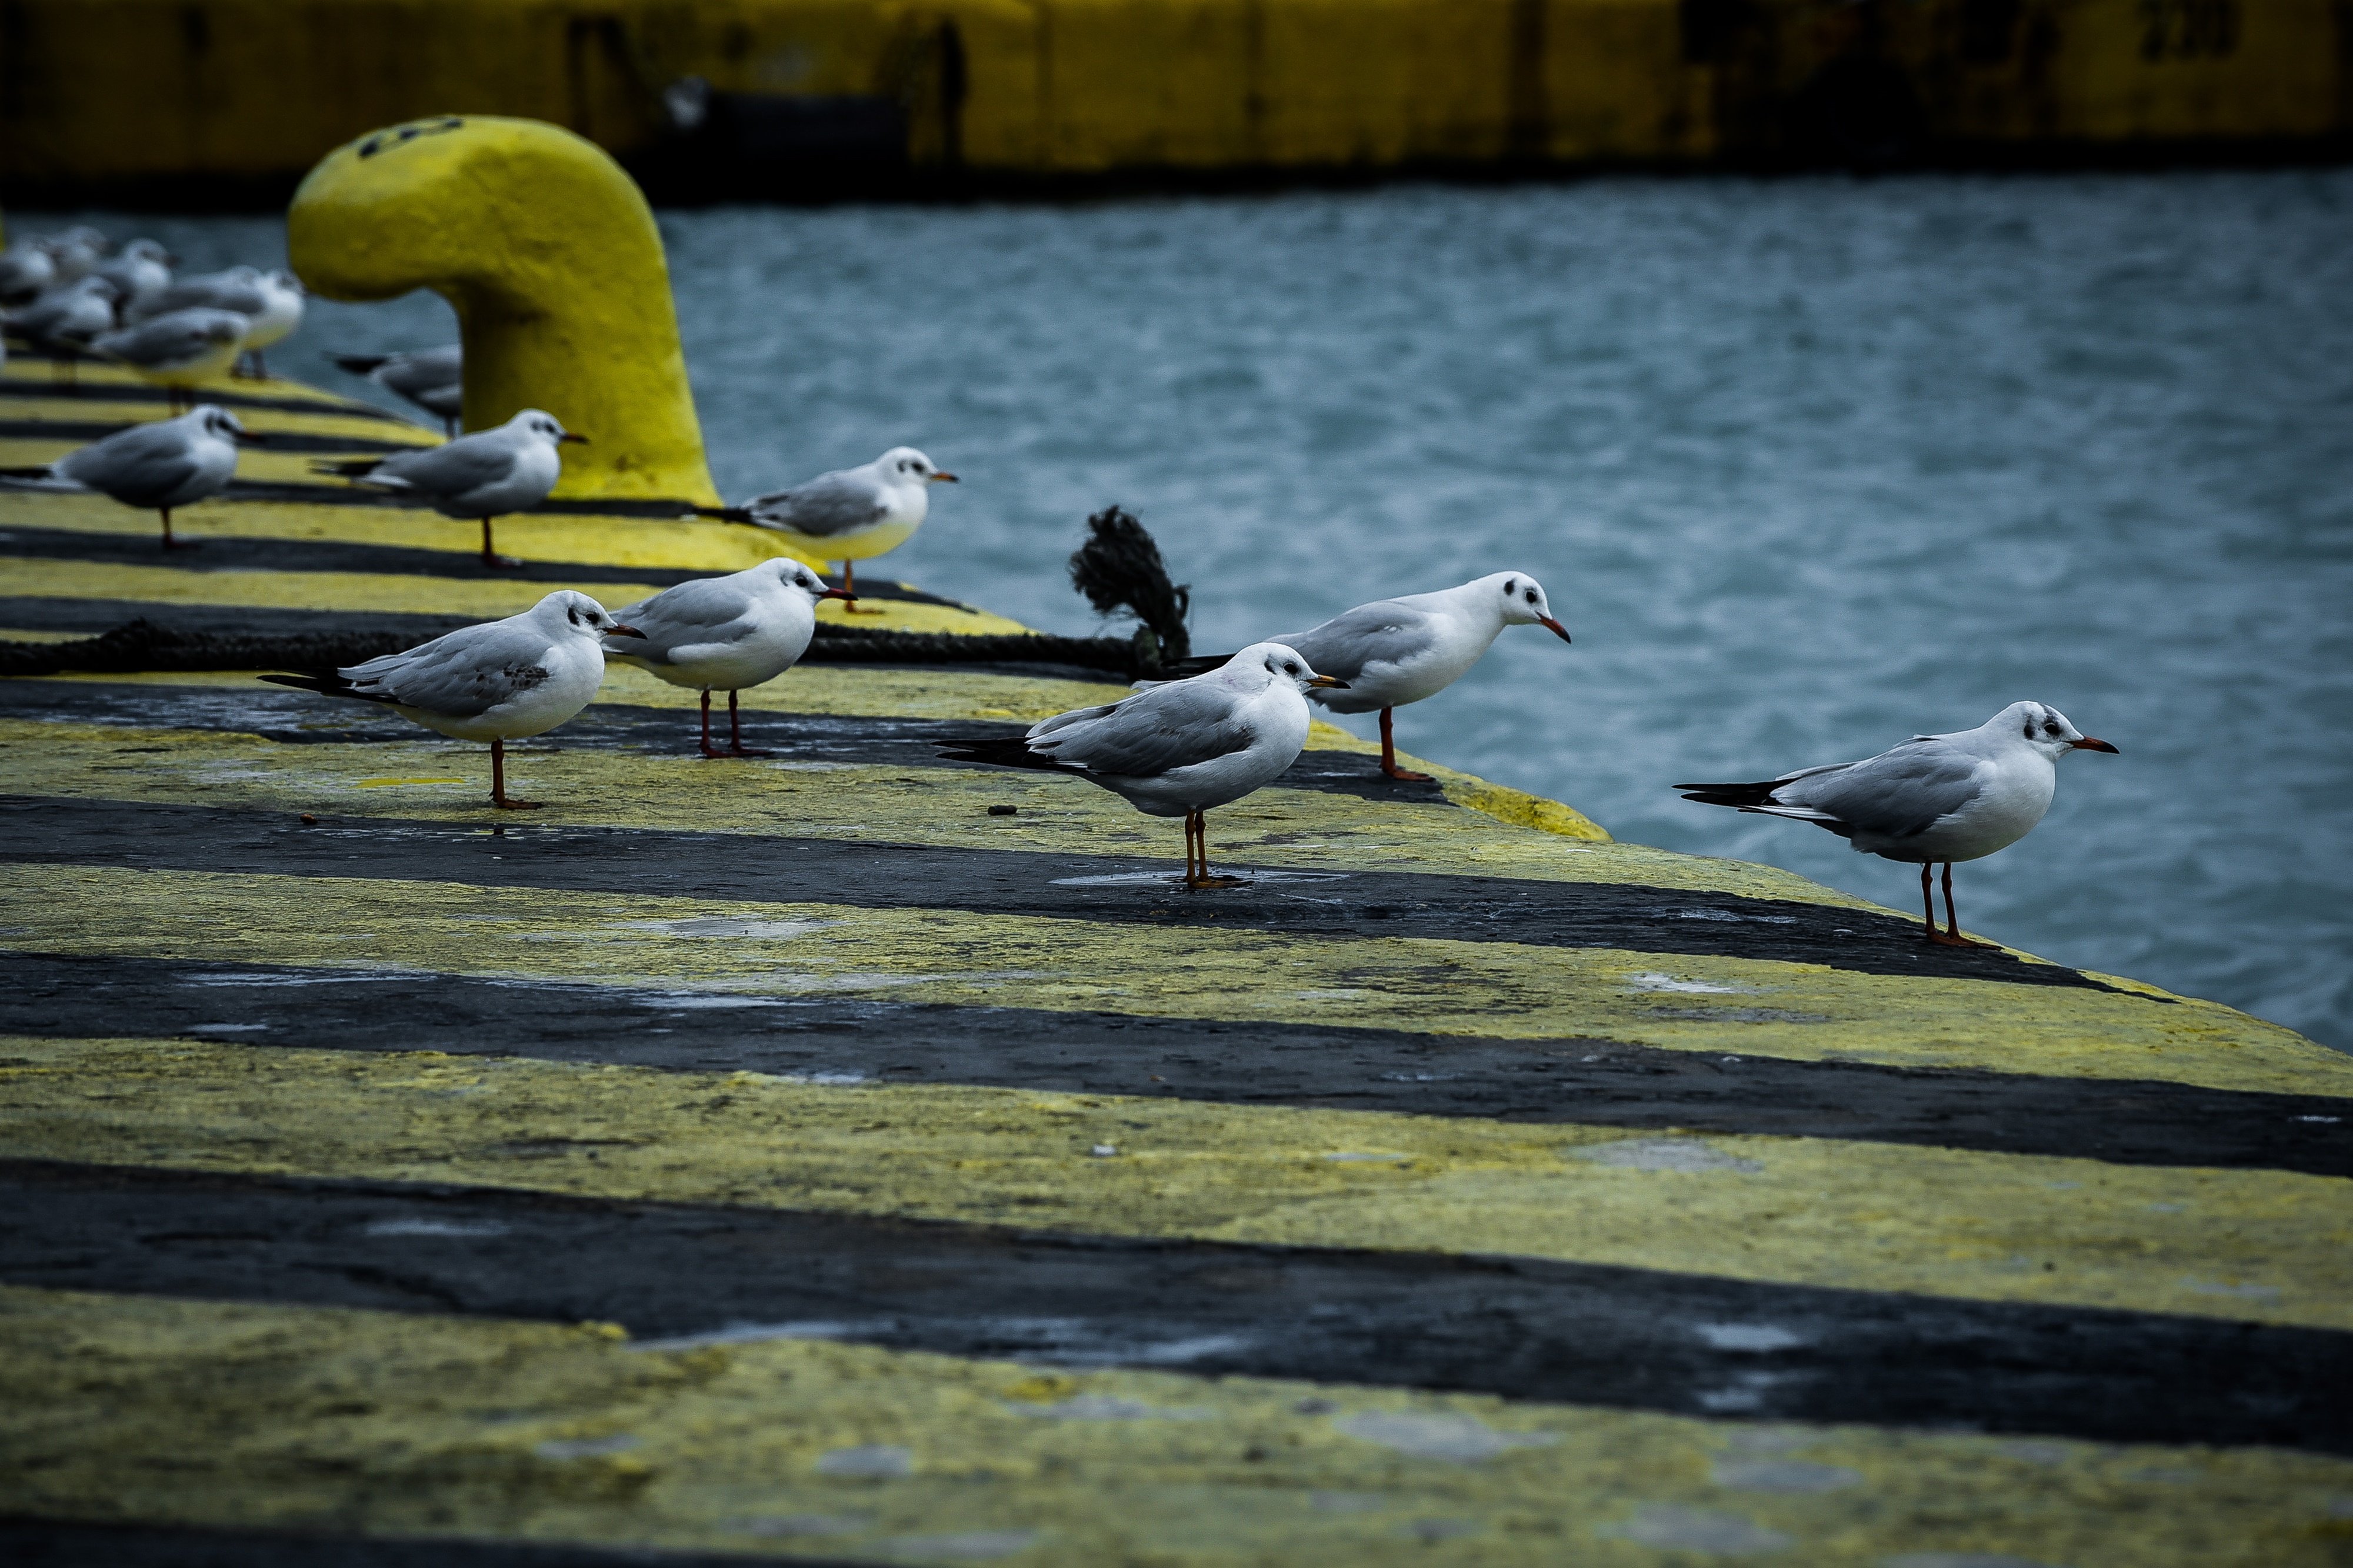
(1237, 700)
(502, 680)
(723, 634)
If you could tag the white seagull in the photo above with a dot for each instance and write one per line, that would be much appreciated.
(64, 321)
(160, 466)
(76, 252)
(1182, 747)
(850, 514)
(1396, 651)
(271, 303)
(25, 269)
(726, 632)
(1934, 798)
(485, 475)
(178, 349)
(433, 379)
(140, 271)
(500, 681)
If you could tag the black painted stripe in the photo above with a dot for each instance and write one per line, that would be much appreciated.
(58, 1544)
(82, 430)
(225, 552)
(1014, 882)
(92, 617)
(1520, 1328)
(1583, 1081)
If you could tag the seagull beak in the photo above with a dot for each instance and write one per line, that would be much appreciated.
(1332, 681)
(570, 435)
(2089, 744)
(946, 479)
(249, 438)
(1557, 628)
(621, 631)
(844, 595)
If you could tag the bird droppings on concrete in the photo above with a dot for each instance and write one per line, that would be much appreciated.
(1110, 1407)
(2245, 1292)
(1457, 1440)
(1696, 1529)
(870, 1461)
(1688, 1157)
(1759, 1338)
(587, 1447)
(964, 1546)
(1651, 979)
(794, 1524)
(1794, 1476)
(456, 1227)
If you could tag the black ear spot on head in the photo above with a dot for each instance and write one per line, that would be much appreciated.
(574, 612)
(1511, 585)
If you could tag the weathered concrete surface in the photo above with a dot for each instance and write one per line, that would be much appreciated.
(953, 1188)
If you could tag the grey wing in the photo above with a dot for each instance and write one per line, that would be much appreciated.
(696, 611)
(1153, 732)
(449, 470)
(151, 459)
(829, 505)
(423, 370)
(1384, 632)
(1895, 795)
(466, 673)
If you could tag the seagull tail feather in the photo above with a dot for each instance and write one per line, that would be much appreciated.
(349, 468)
(727, 514)
(327, 683)
(1004, 752)
(1732, 795)
(358, 364)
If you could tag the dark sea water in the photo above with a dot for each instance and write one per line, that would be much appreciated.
(1808, 466)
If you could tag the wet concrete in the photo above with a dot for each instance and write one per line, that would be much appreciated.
(1521, 1328)
(849, 1038)
(876, 875)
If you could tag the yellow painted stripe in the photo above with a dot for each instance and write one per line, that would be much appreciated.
(2261, 1246)
(355, 1422)
(486, 600)
(88, 374)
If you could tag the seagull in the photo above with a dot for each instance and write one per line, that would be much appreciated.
(166, 464)
(485, 475)
(270, 301)
(25, 269)
(64, 321)
(176, 349)
(1936, 797)
(499, 681)
(140, 271)
(76, 252)
(848, 515)
(726, 632)
(1396, 651)
(433, 379)
(1181, 747)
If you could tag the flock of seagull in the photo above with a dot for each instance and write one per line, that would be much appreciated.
(1226, 727)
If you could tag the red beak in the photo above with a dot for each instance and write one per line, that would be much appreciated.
(2089, 744)
(1557, 629)
(569, 435)
(250, 438)
(844, 595)
(620, 631)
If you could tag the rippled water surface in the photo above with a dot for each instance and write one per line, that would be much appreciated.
(1807, 466)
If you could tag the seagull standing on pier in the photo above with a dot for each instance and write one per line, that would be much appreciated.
(486, 475)
(178, 349)
(1396, 651)
(850, 514)
(64, 321)
(271, 303)
(1934, 798)
(499, 681)
(726, 632)
(158, 466)
(1181, 748)
(433, 379)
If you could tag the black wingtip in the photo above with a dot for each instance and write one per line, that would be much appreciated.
(358, 364)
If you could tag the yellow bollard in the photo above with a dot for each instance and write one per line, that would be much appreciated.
(548, 253)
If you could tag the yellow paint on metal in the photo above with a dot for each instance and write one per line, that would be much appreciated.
(2253, 1245)
(372, 1423)
(482, 599)
(549, 254)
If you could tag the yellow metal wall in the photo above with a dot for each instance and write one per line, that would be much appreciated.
(97, 90)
